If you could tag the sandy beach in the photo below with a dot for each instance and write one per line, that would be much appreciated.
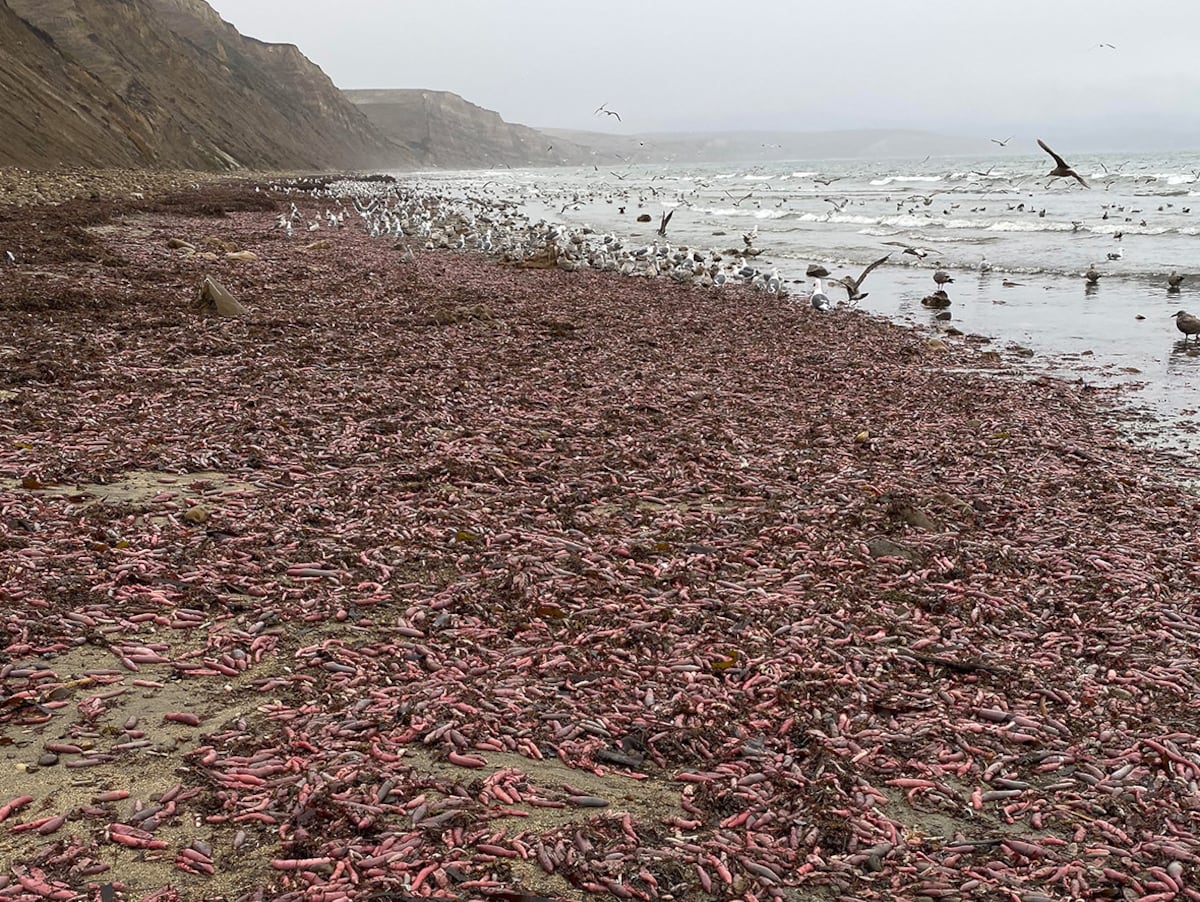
(452, 579)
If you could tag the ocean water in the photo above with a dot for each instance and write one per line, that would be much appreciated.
(1039, 233)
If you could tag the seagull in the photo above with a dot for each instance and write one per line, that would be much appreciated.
(738, 200)
(1103, 44)
(1092, 275)
(1061, 169)
(920, 252)
(941, 277)
(1187, 324)
(1117, 254)
(984, 266)
(820, 300)
(666, 218)
(10, 257)
(1003, 143)
(852, 285)
(1174, 280)
(601, 109)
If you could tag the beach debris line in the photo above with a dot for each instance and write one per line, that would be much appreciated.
(488, 568)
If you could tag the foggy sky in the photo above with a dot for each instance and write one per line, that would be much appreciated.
(982, 68)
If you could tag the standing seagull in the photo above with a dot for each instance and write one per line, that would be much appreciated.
(941, 277)
(601, 109)
(1092, 275)
(820, 300)
(1174, 280)
(1185, 323)
(852, 285)
(1061, 169)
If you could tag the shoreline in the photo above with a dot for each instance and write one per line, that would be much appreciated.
(417, 564)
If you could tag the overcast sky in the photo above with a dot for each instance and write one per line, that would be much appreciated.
(969, 67)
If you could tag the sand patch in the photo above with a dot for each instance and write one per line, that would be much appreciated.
(136, 488)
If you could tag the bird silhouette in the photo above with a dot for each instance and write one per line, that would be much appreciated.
(1061, 169)
(853, 286)
(607, 112)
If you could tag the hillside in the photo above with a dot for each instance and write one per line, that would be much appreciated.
(440, 129)
(169, 84)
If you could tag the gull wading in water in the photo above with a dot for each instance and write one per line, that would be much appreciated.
(1187, 324)
(1061, 169)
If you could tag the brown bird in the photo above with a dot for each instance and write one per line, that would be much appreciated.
(1174, 280)
(1061, 169)
(1187, 324)
(1092, 275)
(941, 277)
(852, 285)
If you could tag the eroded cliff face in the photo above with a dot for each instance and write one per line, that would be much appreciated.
(442, 130)
(52, 111)
(168, 83)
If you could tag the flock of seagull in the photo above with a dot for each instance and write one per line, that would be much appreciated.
(413, 217)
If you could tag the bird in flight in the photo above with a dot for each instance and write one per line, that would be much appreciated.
(1003, 143)
(607, 112)
(1104, 44)
(920, 252)
(852, 285)
(1061, 169)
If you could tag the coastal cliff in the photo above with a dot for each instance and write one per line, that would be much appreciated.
(441, 129)
(168, 84)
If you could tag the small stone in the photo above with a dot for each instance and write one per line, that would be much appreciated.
(49, 759)
(197, 514)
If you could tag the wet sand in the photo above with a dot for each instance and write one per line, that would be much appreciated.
(462, 580)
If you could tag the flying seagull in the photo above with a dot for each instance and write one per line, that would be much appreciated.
(601, 109)
(852, 285)
(1061, 169)
(921, 252)
(666, 219)
(1003, 143)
